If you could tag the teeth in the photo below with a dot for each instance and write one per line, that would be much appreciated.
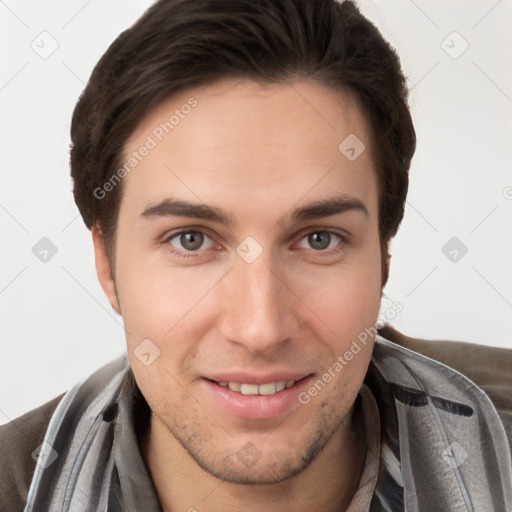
(267, 389)
(280, 385)
(249, 389)
(270, 388)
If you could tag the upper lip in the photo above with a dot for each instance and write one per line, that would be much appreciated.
(246, 378)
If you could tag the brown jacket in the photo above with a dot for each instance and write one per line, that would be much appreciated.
(489, 367)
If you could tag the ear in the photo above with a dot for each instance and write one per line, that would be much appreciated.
(385, 262)
(103, 268)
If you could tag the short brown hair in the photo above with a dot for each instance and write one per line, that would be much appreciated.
(178, 44)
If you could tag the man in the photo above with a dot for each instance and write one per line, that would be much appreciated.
(243, 167)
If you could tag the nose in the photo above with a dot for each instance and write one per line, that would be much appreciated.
(258, 312)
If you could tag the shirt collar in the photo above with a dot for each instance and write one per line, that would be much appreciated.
(136, 489)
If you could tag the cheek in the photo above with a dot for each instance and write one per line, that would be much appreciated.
(159, 301)
(142, 295)
(352, 318)
(348, 297)
(347, 304)
(352, 322)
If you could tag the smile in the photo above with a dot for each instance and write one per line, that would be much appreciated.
(269, 388)
(258, 401)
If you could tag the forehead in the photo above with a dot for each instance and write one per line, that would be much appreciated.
(246, 141)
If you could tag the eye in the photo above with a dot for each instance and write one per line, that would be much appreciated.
(190, 241)
(321, 240)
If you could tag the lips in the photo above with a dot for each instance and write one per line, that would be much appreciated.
(254, 397)
(269, 388)
(259, 378)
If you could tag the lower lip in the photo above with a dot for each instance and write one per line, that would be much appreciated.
(255, 407)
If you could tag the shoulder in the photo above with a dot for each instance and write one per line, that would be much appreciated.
(18, 440)
(490, 368)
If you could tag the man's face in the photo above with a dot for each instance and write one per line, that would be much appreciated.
(263, 301)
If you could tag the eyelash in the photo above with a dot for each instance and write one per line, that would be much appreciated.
(193, 254)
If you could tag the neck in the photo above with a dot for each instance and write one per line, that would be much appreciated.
(327, 484)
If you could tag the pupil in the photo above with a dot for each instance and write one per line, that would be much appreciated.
(315, 239)
(191, 240)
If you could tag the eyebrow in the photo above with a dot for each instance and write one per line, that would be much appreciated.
(172, 207)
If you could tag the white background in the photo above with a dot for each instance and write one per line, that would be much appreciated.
(56, 324)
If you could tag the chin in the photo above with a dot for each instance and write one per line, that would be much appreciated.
(259, 463)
